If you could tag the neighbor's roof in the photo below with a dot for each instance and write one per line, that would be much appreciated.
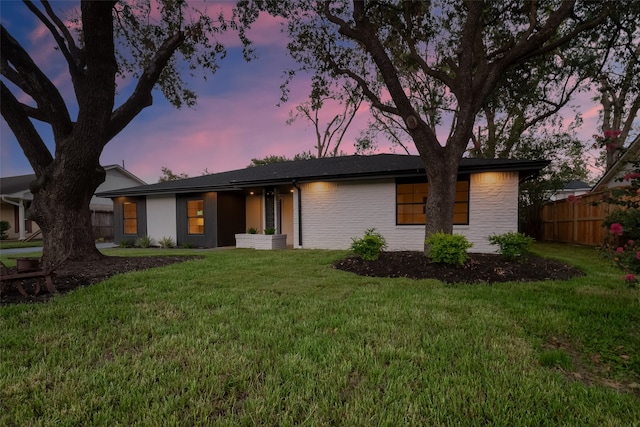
(15, 184)
(20, 184)
(630, 154)
(325, 169)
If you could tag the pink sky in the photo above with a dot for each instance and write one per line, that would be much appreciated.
(236, 118)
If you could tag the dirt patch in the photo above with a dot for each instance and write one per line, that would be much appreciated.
(480, 268)
(76, 274)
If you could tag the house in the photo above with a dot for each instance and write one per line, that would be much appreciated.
(15, 198)
(613, 177)
(322, 203)
(572, 188)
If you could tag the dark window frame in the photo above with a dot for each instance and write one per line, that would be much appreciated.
(423, 180)
(190, 217)
(126, 219)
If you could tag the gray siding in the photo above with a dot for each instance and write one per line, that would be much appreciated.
(118, 219)
(210, 237)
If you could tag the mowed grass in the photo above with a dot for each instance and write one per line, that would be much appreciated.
(245, 337)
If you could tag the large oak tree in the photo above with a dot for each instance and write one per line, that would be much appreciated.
(146, 41)
(455, 49)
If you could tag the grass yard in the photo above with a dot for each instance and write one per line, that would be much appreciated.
(247, 337)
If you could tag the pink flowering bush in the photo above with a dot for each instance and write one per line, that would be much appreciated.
(625, 256)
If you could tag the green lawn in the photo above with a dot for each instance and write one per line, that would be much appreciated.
(247, 337)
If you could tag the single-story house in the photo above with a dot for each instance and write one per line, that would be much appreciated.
(15, 198)
(572, 188)
(322, 203)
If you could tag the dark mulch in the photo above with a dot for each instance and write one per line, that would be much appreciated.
(480, 268)
(74, 274)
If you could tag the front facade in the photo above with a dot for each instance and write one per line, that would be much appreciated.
(322, 203)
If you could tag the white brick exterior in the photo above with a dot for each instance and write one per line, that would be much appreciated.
(161, 217)
(334, 212)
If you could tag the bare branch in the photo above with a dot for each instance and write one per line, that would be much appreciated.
(30, 141)
(141, 96)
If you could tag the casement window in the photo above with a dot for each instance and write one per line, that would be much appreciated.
(130, 213)
(195, 216)
(411, 197)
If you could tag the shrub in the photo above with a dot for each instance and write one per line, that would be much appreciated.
(252, 230)
(166, 242)
(512, 246)
(188, 246)
(269, 230)
(369, 246)
(448, 248)
(628, 223)
(143, 242)
(124, 243)
(4, 227)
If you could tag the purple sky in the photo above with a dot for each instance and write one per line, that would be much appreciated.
(236, 118)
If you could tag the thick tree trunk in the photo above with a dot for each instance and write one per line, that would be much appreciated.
(60, 207)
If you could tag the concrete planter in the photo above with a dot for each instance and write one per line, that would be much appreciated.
(261, 241)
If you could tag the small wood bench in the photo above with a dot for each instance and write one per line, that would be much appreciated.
(26, 268)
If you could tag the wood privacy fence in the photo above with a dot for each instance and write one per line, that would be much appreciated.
(102, 222)
(576, 221)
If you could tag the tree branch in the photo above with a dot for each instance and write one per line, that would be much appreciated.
(30, 141)
(141, 96)
(35, 84)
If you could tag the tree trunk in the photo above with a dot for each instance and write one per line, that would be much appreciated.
(442, 176)
(60, 206)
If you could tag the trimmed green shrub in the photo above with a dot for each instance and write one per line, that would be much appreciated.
(124, 243)
(512, 246)
(369, 246)
(4, 227)
(269, 230)
(166, 242)
(448, 248)
(252, 230)
(143, 242)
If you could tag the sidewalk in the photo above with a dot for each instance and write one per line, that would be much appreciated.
(14, 251)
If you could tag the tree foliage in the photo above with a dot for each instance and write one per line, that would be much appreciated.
(168, 175)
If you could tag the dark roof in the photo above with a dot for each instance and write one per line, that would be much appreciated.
(575, 185)
(324, 169)
(14, 184)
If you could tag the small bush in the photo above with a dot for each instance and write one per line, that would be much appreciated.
(370, 246)
(252, 230)
(448, 248)
(166, 242)
(512, 246)
(4, 227)
(124, 243)
(188, 246)
(269, 230)
(143, 242)
(629, 219)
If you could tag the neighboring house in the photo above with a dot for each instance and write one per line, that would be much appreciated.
(572, 188)
(16, 198)
(620, 168)
(322, 203)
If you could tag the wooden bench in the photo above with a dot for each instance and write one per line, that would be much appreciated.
(26, 268)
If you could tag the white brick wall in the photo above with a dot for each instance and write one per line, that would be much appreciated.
(333, 213)
(161, 217)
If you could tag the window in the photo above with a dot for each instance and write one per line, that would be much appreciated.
(195, 215)
(130, 214)
(411, 197)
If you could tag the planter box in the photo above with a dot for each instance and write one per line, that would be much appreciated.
(261, 241)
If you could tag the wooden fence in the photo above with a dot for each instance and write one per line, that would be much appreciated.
(102, 222)
(576, 221)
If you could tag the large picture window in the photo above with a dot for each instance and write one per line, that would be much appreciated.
(130, 213)
(411, 197)
(195, 215)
